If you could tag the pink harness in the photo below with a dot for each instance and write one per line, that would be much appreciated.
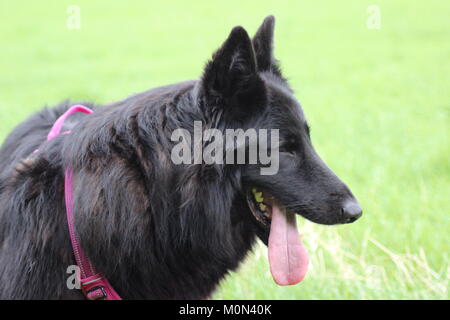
(93, 285)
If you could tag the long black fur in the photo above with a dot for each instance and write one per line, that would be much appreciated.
(156, 230)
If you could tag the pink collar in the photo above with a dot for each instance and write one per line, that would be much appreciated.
(93, 285)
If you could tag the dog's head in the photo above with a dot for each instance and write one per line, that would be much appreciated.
(244, 85)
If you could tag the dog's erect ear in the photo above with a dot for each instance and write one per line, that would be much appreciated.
(231, 80)
(263, 44)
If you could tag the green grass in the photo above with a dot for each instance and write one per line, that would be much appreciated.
(377, 100)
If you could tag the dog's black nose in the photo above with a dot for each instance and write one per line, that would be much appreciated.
(351, 211)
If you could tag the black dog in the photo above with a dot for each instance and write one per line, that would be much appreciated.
(155, 229)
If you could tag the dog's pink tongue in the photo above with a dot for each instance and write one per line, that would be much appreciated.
(288, 257)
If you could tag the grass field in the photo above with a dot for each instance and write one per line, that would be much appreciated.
(377, 100)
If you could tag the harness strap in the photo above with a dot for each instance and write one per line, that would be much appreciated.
(93, 284)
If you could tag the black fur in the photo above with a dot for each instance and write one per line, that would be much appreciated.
(156, 230)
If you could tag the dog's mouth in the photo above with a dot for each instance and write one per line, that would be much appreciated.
(260, 204)
(288, 257)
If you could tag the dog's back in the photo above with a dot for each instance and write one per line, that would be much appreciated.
(30, 134)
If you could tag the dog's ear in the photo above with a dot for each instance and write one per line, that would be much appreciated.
(231, 80)
(263, 44)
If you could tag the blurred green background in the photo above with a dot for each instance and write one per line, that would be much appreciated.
(377, 101)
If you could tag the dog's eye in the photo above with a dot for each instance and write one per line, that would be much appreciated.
(289, 146)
